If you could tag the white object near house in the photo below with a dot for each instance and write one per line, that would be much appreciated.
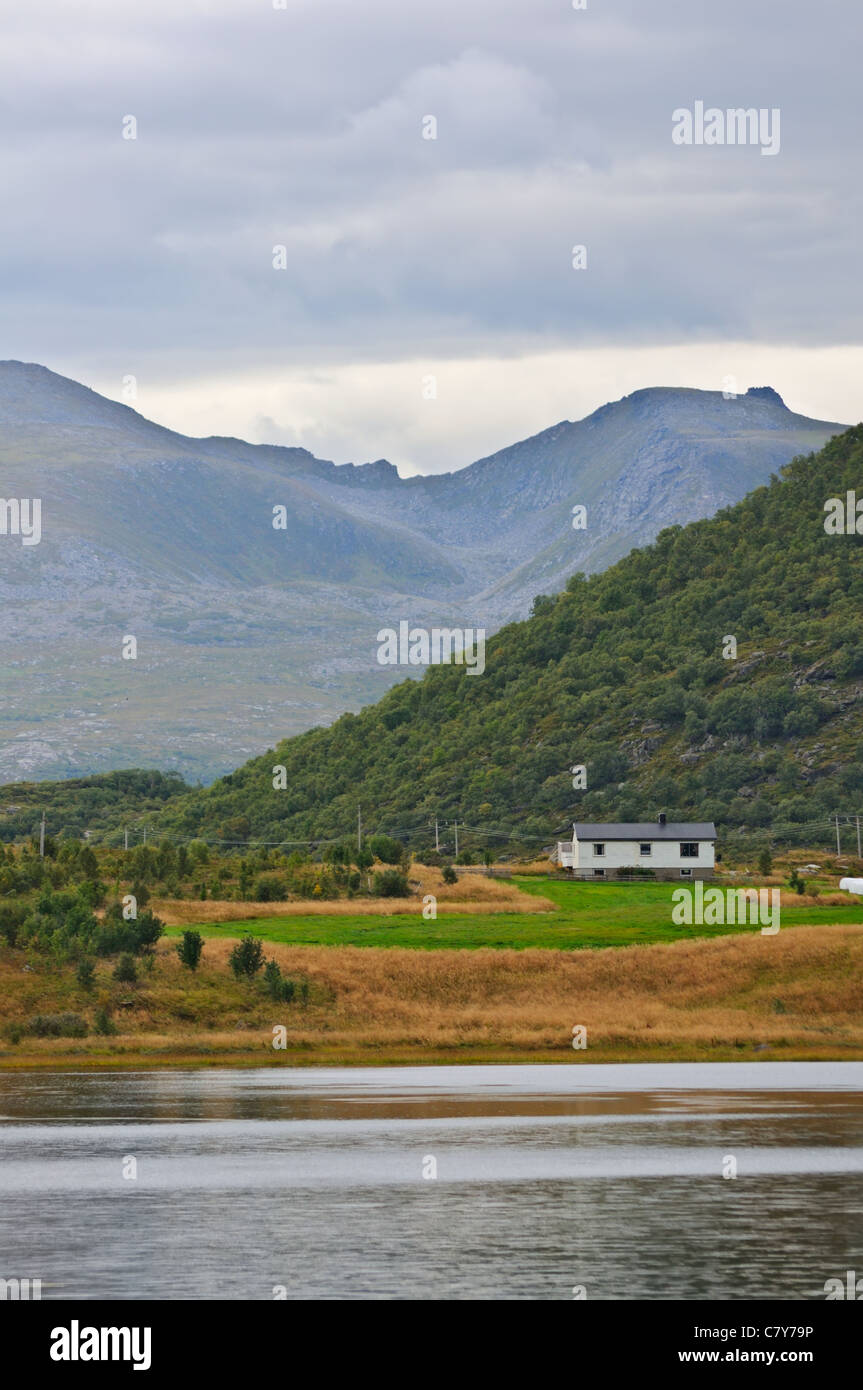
(670, 849)
(851, 885)
(562, 854)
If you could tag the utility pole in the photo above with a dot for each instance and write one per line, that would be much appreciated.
(436, 840)
(859, 854)
(838, 845)
(125, 839)
(359, 827)
(42, 837)
(145, 834)
(455, 823)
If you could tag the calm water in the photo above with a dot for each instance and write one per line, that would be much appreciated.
(608, 1177)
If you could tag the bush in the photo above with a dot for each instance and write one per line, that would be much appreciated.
(277, 986)
(102, 1023)
(64, 1025)
(765, 863)
(189, 949)
(86, 973)
(137, 936)
(385, 848)
(391, 883)
(270, 888)
(247, 957)
(449, 874)
(125, 971)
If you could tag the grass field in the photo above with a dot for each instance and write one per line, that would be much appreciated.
(792, 996)
(587, 915)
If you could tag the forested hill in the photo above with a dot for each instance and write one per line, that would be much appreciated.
(623, 672)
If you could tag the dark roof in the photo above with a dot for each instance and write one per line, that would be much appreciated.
(646, 830)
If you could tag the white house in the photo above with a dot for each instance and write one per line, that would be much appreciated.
(669, 849)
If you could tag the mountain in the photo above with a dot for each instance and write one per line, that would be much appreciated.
(244, 630)
(630, 673)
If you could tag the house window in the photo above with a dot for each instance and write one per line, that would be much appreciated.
(689, 849)
(598, 850)
(599, 873)
(686, 873)
(645, 850)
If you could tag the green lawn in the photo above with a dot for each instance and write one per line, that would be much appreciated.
(587, 914)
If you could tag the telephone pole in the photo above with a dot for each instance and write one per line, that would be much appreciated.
(838, 845)
(359, 827)
(125, 839)
(455, 823)
(436, 839)
(42, 837)
(859, 854)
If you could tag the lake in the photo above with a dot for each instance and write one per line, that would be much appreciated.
(512, 1182)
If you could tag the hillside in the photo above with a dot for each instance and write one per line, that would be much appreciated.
(624, 673)
(245, 631)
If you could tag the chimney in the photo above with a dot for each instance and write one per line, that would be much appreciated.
(662, 818)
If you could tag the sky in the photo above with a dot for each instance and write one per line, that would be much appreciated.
(425, 307)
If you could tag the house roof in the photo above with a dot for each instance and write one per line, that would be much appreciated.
(645, 830)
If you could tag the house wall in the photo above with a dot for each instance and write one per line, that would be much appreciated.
(665, 858)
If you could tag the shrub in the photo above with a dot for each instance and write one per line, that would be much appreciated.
(430, 857)
(277, 986)
(449, 874)
(102, 1023)
(86, 973)
(270, 888)
(137, 936)
(391, 883)
(63, 1025)
(247, 957)
(125, 971)
(189, 949)
(765, 863)
(385, 848)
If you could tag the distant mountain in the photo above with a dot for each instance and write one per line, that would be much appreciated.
(628, 673)
(245, 631)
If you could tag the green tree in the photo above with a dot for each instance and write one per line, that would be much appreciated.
(247, 957)
(85, 973)
(125, 971)
(189, 949)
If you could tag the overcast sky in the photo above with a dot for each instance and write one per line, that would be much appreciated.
(409, 258)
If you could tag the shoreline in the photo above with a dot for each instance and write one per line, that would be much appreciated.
(127, 1058)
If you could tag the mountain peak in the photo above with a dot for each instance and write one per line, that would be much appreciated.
(767, 393)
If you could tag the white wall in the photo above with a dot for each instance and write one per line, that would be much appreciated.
(624, 854)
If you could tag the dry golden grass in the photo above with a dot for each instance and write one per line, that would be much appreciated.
(798, 994)
(473, 893)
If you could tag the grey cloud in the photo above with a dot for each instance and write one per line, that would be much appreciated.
(302, 128)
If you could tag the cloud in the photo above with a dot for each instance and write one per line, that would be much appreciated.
(303, 128)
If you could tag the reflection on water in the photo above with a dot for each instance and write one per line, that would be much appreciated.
(610, 1177)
